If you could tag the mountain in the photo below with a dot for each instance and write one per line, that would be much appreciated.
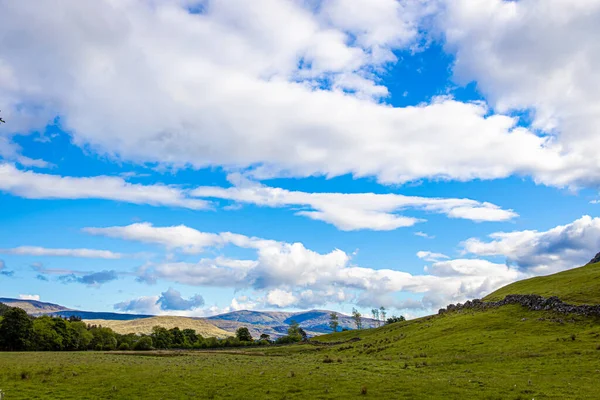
(34, 307)
(575, 286)
(273, 323)
(145, 325)
(276, 323)
(37, 308)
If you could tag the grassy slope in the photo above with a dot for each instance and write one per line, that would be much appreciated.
(505, 353)
(576, 286)
(145, 325)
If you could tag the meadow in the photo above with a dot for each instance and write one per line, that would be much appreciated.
(503, 353)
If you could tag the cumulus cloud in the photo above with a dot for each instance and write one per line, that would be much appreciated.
(145, 304)
(353, 211)
(34, 185)
(540, 56)
(557, 249)
(29, 297)
(172, 300)
(168, 302)
(42, 251)
(290, 275)
(241, 83)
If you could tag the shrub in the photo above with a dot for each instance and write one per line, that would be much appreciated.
(145, 343)
(123, 346)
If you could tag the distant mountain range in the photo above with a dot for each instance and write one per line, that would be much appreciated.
(273, 323)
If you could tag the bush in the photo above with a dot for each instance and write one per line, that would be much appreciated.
(145, 343)
(124, 346)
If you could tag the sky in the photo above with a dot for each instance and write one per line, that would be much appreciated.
(195, 157)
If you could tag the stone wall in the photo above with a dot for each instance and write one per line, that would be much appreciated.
(531, 301)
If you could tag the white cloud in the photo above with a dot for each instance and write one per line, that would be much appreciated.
(273, 85)
(281, 298)
(174, 237)
(539, 55)
(35, 297)
(290, 275)
(34, 185)
(430, 256)
(42, 251)
(557, 249)
(180, 237)
(424, 235)
(353, 211)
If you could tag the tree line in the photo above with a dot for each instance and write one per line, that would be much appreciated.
(22, 332)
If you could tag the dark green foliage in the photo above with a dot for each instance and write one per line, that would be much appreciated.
(161, 337)
(16, 330)
(243, 334)
(265, 336)
(393, 319)
(144, 343)
(3, 309)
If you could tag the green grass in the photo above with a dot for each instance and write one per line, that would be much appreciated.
(576, 286)
(504, 353)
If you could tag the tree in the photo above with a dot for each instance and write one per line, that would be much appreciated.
(393, 319)
(334, 321)
(45, 337)
(177, 338)
(375, 313)
(303, 334)
(243, 334)
(382, 313)
(16, 330)
(265, 336)
(190, 336)
(357, 317)
(144, 343)
(161, 337)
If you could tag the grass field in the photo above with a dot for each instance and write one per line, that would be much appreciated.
(576, 286)
(504, 353)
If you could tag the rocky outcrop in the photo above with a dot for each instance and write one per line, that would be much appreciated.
(531, 301)
(595, 260)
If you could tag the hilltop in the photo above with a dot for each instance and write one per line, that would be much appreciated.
(34, 307)
(37, 308)
(576, 286)
(145, 325)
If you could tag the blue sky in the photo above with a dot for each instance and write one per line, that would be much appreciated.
(294, 155)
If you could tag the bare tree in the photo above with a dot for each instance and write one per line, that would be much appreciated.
(382, 314)
(375, 313)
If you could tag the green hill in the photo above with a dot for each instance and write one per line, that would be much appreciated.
(575, 286)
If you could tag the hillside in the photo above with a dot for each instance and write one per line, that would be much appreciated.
(145, 325)
(34, 307)
(576, 286)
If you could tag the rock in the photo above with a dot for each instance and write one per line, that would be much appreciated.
(595, 260)
(531, 301)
